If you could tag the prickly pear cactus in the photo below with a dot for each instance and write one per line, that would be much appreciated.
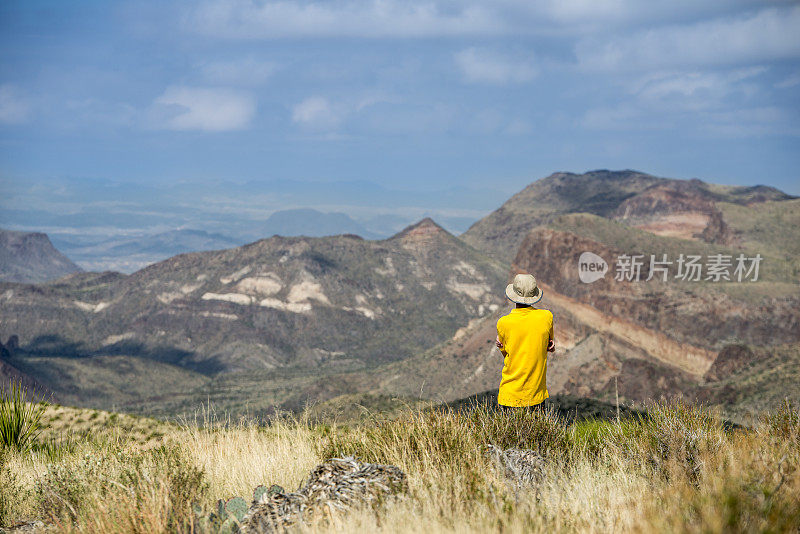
(227, 516)
(339, 483)
(229, 526)
(259, 492)
(236, 508)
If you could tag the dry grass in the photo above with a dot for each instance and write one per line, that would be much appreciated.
(677, 470)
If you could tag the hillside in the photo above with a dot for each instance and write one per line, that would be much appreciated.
(644, 339)
(284, 322)
(640, 339)
(471, 468)
(644, 199)
(303, 306)
(30, 257)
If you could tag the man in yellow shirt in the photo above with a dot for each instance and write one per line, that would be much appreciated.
(524, 337)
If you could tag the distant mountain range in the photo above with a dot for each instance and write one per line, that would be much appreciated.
(313, 223)
(284, 321)
(128, 254)
(131, 253)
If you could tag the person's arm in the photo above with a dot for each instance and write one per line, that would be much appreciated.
(551, 343)
(499, 345)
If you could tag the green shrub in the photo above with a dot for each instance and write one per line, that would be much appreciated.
(20, 421)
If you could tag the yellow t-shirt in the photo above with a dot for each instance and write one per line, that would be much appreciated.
(524, 333)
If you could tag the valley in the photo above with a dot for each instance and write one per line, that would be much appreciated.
(289, 321)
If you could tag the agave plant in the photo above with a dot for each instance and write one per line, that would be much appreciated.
(20, 421)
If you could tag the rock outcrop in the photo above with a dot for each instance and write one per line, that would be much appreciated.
(334, 486)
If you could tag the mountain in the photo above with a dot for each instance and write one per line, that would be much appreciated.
(312, 223)
(128, 254)
(31, 257)
(607, 194)
(289, 320)
(299, 306)
(730, 343)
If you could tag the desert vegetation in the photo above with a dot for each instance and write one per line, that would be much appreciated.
(678, 467)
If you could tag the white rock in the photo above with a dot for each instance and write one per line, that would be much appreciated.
(236, 298)
(236, 276)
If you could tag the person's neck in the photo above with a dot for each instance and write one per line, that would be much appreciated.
(529, 306)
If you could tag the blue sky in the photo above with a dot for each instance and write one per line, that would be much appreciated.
(421, 96)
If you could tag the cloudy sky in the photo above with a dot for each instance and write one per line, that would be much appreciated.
(422, 96)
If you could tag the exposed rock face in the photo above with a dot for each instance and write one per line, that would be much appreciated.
(731, 359)
(689, 316)
(31, 257)
(717, 231)
(676, 209)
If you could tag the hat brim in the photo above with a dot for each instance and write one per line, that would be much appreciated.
(513, 297)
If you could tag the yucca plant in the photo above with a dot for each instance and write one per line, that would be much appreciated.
(20, 421)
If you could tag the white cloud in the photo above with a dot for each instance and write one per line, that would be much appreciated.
(621, 117)
(319, 114)
(696, 89)
(707, 104)
(96, 111)
(14, 107)
(602, 15)
(769, 34)
(791, 81)
(316, 113)
(274, 19)
(482, 66)
(373, 18)
(749, 122)
(207, 109)
(246, 71)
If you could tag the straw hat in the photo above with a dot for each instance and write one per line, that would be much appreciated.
(523, 290)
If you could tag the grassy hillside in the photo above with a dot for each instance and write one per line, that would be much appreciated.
(779, 265)
(110, 382)
(770, 227)
(279, 302)
(674, 469)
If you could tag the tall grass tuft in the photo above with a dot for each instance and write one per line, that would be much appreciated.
(20, 421)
